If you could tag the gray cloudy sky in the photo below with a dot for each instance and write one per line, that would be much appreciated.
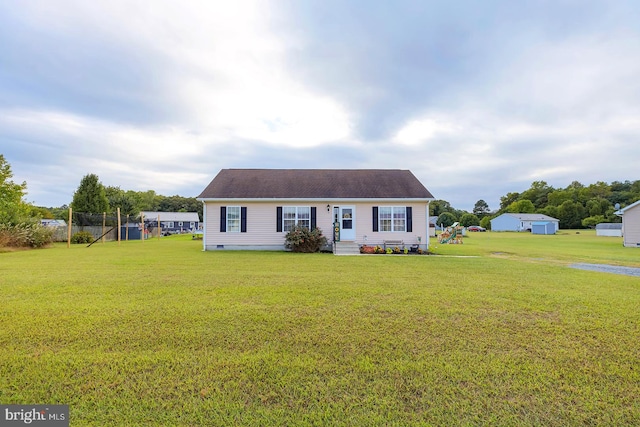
(478, 99)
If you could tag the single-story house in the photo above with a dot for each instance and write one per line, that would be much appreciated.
(630, 224)
(611, 229)
(172, 222)
(543, 227)
(521, 222)
(254, 208)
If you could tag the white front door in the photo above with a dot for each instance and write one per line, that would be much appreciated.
(347, 218)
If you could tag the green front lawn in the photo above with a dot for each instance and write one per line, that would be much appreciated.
(161, 333)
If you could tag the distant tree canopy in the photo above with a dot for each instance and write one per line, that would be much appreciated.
(577, 205)
(92, 197)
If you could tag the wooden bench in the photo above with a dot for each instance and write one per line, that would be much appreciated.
(393, 243)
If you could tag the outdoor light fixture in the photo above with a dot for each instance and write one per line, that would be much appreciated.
(328, 208)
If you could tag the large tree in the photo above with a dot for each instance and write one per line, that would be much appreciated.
(481, 208)
(90, 197)
(12, 205)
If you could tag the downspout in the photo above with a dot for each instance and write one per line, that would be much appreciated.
(428, 224)
(204, 226)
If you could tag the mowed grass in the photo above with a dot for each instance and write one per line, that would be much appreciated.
(161, 333)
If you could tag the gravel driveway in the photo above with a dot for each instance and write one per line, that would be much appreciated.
(605, 268)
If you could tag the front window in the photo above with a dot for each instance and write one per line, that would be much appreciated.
(392, 218)
(233, 218)
(292, 215)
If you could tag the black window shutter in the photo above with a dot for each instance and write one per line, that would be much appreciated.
(223, 219)
(279, 219)
(375, 218)
(243, 219)
(313, 218)
(409, 220)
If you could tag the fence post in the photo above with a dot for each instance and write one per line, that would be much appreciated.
(142, 230)
(126, 229)
(104, 220)
(119, 225)
(69, 229)
(159, 228)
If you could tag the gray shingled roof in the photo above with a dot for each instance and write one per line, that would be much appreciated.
(609, 226)
(171, 216)
(532, 217)
(315, 184)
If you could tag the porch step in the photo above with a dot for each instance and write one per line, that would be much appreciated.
(346, 248)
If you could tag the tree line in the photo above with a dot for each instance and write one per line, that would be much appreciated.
(575, 206)
(94, 198)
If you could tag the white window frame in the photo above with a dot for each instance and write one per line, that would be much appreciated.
(397, 219)
(295, 215)
(233, 223)
(167, 224)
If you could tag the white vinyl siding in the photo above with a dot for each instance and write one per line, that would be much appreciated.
(261, 225)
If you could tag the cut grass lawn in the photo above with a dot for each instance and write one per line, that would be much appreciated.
(161, 333)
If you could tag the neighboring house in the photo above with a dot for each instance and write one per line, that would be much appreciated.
(611, 229)
(630, 224)
(521, 222)
(53, 222)
(254, 208)
(543, 227)
(173, 222)
(433, 226)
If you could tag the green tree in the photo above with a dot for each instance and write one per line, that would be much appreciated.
(438, 207)
(127, 202)
(558, 197)
(521, 206)
(90, 197)
(486, 222)
(481, 208)
(507, 200)
(12, 206)
(469, 219)
(592, 221)
(571, 214)
(537, 194)
(446, 219)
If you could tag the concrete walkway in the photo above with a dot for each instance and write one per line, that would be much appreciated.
(605, 268)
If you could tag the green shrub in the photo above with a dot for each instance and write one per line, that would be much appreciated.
(82, 237)
(301, 239)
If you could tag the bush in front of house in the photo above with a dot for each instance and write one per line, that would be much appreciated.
(301, 239)
(82, 237)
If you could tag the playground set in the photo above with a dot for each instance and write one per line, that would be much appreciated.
(451, 235)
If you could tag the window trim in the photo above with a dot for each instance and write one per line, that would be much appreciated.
(281, 218)
(406, 213)
(228, 227)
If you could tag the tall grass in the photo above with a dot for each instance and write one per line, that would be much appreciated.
(161, 333)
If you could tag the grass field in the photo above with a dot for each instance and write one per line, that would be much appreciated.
(497, 331)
